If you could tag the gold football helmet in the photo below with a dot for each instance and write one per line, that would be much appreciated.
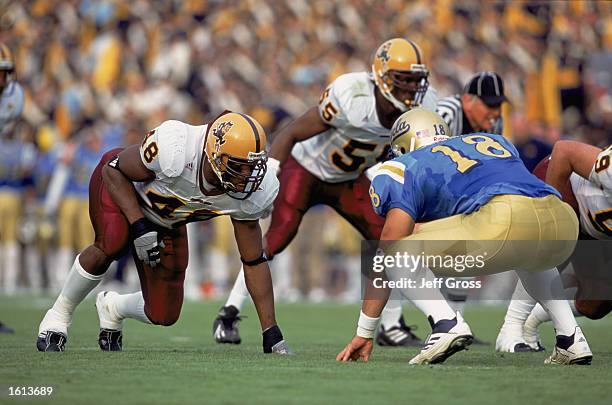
(235, 147)
(417, 128)
(399, 68)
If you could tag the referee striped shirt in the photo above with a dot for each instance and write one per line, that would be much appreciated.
(449, 108)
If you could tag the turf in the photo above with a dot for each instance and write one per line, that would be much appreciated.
(181, 364)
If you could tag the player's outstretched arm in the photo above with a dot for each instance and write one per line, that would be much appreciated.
(256, 271)
(306, 126)
(568, 157)
(398, 225)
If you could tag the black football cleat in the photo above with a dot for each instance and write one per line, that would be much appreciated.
(110, 340)
(51, 341)
(519, 347)
(225, 326)
(398, 336)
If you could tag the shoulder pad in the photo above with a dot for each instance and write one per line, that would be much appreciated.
(346, 99)
(387, 186)
(168, 155)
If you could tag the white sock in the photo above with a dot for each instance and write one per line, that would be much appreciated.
(33, 269)
(76, 287)
(457, 306)
(11, 267)
(546, 287)
(429, 301)
(131, 306)
(391, 314)
(281, 278)
(219, 270)
(537, 316)
(519, 309)
(457, 296)
(239, 293)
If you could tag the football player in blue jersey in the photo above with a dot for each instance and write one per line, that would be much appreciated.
(469, 188)
(12, 161)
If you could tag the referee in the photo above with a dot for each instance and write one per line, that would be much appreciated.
(478, 109)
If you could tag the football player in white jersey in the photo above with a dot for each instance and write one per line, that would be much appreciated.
(145, 194)
(582, 174)
(11, 106)
(323, 154)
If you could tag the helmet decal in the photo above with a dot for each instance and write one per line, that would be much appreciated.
(415, 129)
(400, 73)
(219, 134)
(235, 147)
(383, 53)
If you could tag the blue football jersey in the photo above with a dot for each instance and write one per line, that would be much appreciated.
(16, 162)
(81, 168)
(455, 176)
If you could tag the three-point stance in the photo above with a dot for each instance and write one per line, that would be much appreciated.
(146, 194)
(469, 188)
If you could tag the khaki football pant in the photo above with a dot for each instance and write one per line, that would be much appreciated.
(510, 232)
(10, 215)
(74, 226)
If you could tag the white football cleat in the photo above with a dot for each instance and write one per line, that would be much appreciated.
(511, 341)
(53, 332)
(107, 313)
(578, 351)
(54, 321)
(448, 336)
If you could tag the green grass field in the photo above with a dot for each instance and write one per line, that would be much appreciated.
(181, 364)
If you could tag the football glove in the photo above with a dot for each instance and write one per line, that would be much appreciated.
(148, 248)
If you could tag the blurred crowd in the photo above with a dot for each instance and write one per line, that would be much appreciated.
(99, 74)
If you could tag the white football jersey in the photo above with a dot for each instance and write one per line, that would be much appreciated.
(174, 152)
(594, 197)
(356, 139)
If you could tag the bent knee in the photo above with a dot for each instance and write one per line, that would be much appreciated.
(163, 317)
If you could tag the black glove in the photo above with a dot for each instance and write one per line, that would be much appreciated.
(146, 243)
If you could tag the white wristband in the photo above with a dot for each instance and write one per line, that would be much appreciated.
(274, 165)
(366, 326)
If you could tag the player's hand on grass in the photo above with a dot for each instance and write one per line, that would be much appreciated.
(358, 348)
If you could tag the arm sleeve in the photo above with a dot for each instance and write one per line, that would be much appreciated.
(163, 149)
